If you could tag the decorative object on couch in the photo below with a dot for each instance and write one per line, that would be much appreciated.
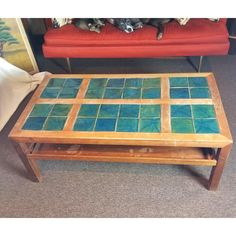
(90, 24)
(14, 45)
(59, 22)
(15, 84)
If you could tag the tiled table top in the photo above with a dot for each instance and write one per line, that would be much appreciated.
(135, 104)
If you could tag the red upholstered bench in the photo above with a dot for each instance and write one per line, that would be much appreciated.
(199, 37)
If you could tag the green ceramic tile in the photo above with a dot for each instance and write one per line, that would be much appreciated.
(115, 83)
(129, 110)
(61, 110)
(206, 126)
(127, 125)
(97, 83)
(150, 111)
(105, 124)
(197, 82)
(150, 125)
(135, 83)
(179, 93)
(95, 93)
(200, 93)
(132, 93)
(181, 111)
(88, 110)
(75, 83)
(68, 93)
(182, 125)
(111, 93)
(34, 123)
(41, 110)
(108, 110)
(152, 82)
(54, 82)
(50, 92)
(203, 111)
(178, 82)
(84, 124)
(55, 123)
(150, 93)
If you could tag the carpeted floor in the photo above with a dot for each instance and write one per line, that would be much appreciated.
(90, 189)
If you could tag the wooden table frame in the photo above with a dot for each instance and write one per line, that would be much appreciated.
(166, 147)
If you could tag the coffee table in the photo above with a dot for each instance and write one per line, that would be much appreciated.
(143, 118)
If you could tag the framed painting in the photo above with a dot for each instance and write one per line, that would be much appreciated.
(14, 45)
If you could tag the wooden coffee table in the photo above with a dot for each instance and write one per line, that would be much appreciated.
(144, 118)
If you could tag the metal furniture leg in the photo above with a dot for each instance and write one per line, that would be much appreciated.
(68, 64)
(199, 67)
(200, 64)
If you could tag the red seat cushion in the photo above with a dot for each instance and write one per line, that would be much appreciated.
(196, 31)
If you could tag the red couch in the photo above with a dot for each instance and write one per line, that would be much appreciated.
(199, 37)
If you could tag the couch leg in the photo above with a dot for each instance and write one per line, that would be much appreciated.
(68, 64)
(200, 64)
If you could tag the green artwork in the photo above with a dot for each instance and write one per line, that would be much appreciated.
(6, 38)
(14, 45)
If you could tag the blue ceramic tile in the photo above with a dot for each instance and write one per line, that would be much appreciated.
(197, 82)
(75, 83)
(115, 83)
(50, 92)
(41, 110)
(34, 123)
(151, 83)
(127, 125)
(61, 110)
(132, 93)
(84, 124)
(129, 110)
(88, 110)
(200, 93)
(181, 111)
(147, 111)
(150, 125)
(150, 93)
(178, 82)
(182, 125)
(135, 83)
(54, 82)
(68, 93)
(113, 93)
(179, 93)
(105, 124)
(97, 83)
(203, 111)
(107, 110)
(55, 123)
(95, 93)
(206, 126)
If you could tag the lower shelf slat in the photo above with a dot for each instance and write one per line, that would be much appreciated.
(108, 153)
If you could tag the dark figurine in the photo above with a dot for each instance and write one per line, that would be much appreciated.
(91, 24)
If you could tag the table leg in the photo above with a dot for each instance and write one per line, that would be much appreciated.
(221, 156)
(22, 150)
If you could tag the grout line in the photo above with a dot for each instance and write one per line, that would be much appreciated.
(117, 117)
(139, 117)
(192, 117)
(96, 118)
